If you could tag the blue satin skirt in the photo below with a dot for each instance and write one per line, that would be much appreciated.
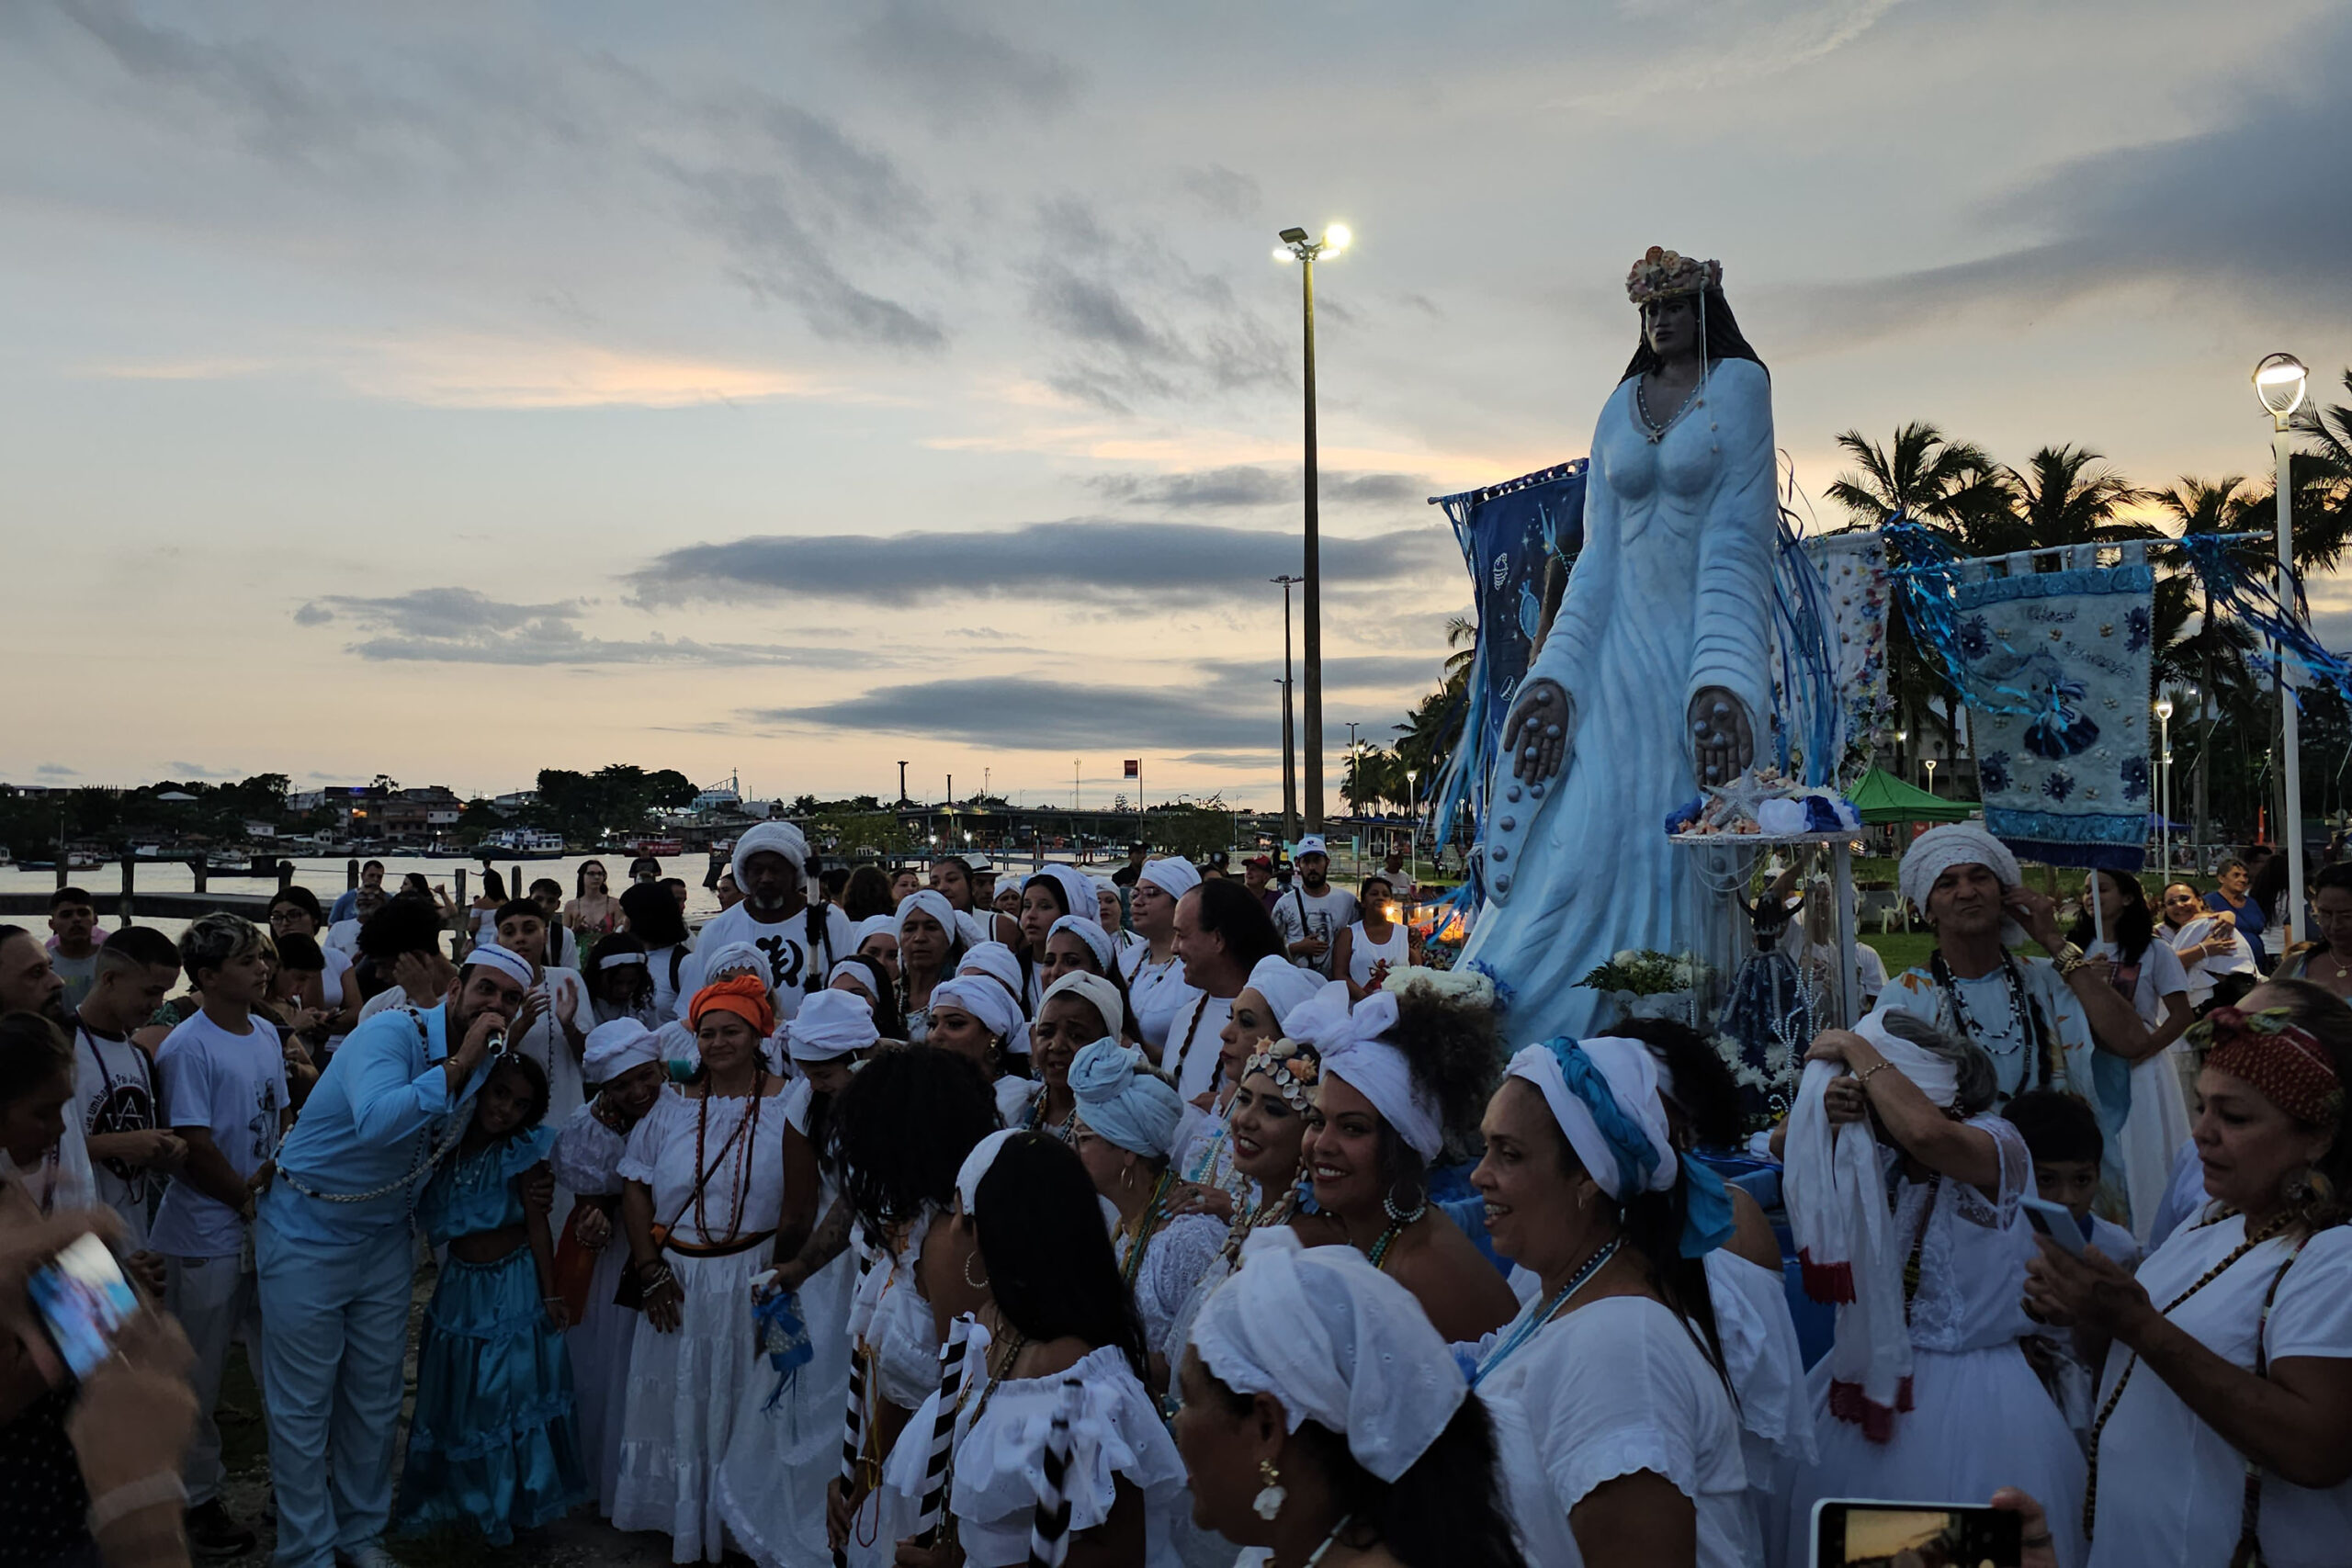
(495, 1443)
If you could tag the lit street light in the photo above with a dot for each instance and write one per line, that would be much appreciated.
(1930, 766)
(2164, 789)
(1296, 246)
(2278, 382)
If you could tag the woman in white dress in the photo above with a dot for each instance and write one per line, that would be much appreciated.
(1612, 1410)
(1128, 1114)
(626, 1065)
(2224, 1425)
(971, 1016)
(1745, 1284)
(1938, 1292)
(2143, 967)
(787, 1440)
(895, 1141)
(931, 946)
(2207, 944)
(1025, 1253)
(1374, 947)
(705, 1174)
(1325, 1420)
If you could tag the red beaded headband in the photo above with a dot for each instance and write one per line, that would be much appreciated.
(2287, 1062)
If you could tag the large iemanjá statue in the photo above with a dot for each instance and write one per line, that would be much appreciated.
(1655, 677)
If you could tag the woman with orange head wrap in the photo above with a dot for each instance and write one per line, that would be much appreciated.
(705, 1174)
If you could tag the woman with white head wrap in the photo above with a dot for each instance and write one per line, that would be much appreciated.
(1155, 980)
(930, 945)
(1618, 1431)
(1052, 893)
(864, 978)
(787, 1441)
(876, 937)
(1400, 1073)
(1321, 1411)
(1205, 1154)
(1079, 1009)
(1026, 1254)
(1126, 1116)
(997, 961)
(623, 1060)
(1926, 1391)
(971, 1016)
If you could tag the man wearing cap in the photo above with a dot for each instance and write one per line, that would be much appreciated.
(1127, 875)
(335, 1244)
(1258, 876)
(2033, 1016)
(800, 940)
(1156, 987)
(1312, 911)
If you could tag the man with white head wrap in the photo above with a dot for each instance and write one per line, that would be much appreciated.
(1927, 1391)
(1156, 987)
(1612, 1412)
(799, 940)
(2039, 1018)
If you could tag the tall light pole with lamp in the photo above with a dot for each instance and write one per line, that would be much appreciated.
(1296, 246)
(2164, 789)
(2279, 381)
(1290, 731)
(1929, 764)
(1413, 819)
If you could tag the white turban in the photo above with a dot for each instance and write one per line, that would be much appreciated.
(506, 961)
(1096, 992)
(976, 1166)
(1077, 893)
(1118, 1099)
(1338, 1342)
(1632, 1075)
(870, 927)
(1938, 849)
(614, 1048)
(1089, 929)
(1351, 1043)
(770, 837)
(930, 902)
(851, 969)
(997, 961)
(734, 958)
(1284, 985)
(1173, 876)
(983, 998)
(831, 1023)
(1931, 1075)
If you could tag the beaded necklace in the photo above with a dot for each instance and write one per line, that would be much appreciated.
(2046, 1065)
(1529, 1328)
(1656, 432)
(1275, 1213)
(751, 1129)
(1329, 1542)
(1396, 1227)
(1148, 1225)
(1065, 1129)
(2090, 1487)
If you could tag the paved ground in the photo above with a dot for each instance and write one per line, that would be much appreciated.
(583, 1540)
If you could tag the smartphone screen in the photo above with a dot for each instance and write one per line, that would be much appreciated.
(1847, 1534)
(84, 1300)
(2056, 1223)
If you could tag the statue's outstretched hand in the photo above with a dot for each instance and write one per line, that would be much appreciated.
(1721, 744)
(1536, 734)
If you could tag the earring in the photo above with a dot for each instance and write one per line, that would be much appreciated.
(1398, 1217)
(1273, 1495)
(976, 1284)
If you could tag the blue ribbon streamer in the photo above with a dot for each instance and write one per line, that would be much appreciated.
(2252, 596)
(782, 1333)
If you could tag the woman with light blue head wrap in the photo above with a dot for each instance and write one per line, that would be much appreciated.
(1127, 1115)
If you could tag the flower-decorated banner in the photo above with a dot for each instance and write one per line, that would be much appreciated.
(1855, 570)
(2061, 755)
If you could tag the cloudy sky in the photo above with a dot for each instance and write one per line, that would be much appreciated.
(456, 391)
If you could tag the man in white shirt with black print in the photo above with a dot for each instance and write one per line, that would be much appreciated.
(801, 941)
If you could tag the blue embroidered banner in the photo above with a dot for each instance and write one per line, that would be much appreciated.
(2061, 755)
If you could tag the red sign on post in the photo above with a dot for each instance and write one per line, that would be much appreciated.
(1135, 767)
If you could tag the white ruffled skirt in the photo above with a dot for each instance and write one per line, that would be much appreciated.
(1979, 1420)
(600, 1345)
(771, 1483)
(683, 1391)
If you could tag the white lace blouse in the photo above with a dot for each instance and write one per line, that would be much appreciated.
(1179, 1254)
(587, 1154)
(1973, 1251)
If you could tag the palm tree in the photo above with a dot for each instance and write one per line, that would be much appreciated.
(2322, 475)
(2064, 495)
(2201, 506)
(1922, 474)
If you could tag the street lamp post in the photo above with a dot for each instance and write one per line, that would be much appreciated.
(1412, 819)
(1930, 766)
(1296, 246)
(2163, 790)
(1290, 731)
(2279, 382)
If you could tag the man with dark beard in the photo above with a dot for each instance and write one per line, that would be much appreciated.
(28, 982)
(801, 941)
(337, 1244)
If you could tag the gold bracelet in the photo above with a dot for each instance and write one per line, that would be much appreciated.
(1863, 1078)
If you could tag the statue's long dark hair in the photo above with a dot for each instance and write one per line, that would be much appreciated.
(1719, 338)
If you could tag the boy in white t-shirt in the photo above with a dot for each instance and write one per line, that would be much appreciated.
(226, 1095)
(2062, 1133)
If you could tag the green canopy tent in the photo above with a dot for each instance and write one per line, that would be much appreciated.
(1879, 798)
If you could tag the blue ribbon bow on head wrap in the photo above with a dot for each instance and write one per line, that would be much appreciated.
(1604, 1092)
(1119, 1100)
